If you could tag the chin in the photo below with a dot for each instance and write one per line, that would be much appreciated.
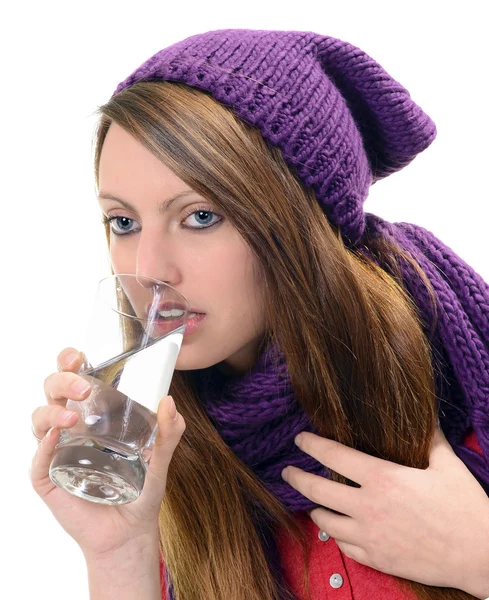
(186, 362)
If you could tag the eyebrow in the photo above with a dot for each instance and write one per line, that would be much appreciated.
(162, 207)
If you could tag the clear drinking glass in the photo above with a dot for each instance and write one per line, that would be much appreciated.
(132, 342)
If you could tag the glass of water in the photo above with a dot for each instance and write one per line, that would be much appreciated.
(132, 341)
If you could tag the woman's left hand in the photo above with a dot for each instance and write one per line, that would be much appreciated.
(427, 525)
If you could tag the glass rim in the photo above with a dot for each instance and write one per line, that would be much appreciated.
(157, 281)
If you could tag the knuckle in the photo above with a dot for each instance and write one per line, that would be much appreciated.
(57, 386)
(379, 562)
(163, 441)
(346, 549)
(182, 426)
(373, 543)
(48, 385)
(73, 379)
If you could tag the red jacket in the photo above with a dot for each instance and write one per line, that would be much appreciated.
(332, 575)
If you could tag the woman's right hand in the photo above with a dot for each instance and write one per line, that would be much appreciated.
(98, 529)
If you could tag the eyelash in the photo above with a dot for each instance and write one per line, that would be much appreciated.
(107, 220)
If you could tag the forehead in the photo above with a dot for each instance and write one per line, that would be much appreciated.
(127, 169)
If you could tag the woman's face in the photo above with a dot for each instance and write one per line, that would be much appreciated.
(212, 267)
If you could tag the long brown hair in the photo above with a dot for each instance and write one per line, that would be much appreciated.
(359, 361)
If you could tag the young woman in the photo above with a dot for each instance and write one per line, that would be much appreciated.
(234, 166)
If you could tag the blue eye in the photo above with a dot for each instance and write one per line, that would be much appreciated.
(109, 220)
(204, 215)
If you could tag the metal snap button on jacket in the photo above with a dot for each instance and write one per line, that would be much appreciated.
(323, 536)
(336, 581)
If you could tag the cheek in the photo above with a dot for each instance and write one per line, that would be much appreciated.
(247, 287)
(121, 261)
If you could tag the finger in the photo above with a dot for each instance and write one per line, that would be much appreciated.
(332, 494)
(45, 417)
(357, 553)
(69, 359)
(353, 464)
(168, 436)
(39, 473)
(58, 387)
(339, 527)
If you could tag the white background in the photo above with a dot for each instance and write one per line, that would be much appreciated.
(60, 60)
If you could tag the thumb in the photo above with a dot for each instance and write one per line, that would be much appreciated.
(171, 426)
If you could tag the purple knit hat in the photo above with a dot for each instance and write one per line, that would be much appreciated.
(334, 112)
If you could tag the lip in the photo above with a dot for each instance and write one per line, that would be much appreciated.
(161, 327)
(169, 305)
(193, 324)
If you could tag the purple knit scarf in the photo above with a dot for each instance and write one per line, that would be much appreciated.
(258, 416)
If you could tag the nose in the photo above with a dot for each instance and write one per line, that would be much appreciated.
(156, 259)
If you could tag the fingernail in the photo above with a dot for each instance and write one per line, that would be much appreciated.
(49, 434)
(80, 387)
(172, 409)
(67, 415)
(71, 358)
(284, 474)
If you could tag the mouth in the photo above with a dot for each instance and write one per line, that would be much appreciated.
(170, 311)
